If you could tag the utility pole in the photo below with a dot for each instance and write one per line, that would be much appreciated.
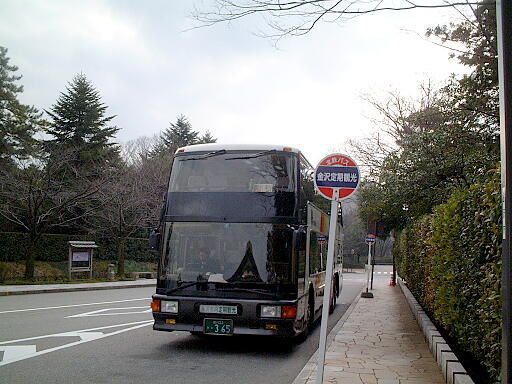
(504, 24)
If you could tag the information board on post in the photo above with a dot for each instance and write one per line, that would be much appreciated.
(336, 177)
(80, 257)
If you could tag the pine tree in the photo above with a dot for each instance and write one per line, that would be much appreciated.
(79, 125)
(179, 134)
(18, 122)
(207, 138)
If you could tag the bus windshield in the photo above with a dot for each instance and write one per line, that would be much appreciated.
(227, 252)
(268, 171)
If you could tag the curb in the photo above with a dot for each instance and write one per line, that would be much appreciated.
(71, 289)
(311, 364)
(453, 371)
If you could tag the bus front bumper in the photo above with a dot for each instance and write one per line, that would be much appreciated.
(246, 322)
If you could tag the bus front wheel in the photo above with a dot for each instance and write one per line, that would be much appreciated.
(311, 310)
(332, 304)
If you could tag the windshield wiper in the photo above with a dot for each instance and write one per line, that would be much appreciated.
(206, 282)
(252, 156)
(249, 290)
(206, 155)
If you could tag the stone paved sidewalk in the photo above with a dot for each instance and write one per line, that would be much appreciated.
(380, 342)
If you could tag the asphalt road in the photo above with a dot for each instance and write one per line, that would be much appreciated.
(106, 337)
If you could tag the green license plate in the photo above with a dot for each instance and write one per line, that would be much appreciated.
(218, 326)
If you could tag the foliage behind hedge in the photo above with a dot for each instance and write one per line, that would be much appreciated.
(55, 247)
(451, 261)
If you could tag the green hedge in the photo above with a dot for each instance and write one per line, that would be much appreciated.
(55, 247)
(451, 261)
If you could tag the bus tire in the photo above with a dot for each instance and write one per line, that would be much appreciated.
(301, 337)
(332, 303)
(311, 306)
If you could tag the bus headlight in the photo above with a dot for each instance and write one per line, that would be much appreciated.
(169, 306)
(270, 311)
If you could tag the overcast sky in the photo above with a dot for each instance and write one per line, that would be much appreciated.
(148, 70)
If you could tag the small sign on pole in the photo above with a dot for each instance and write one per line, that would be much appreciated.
(336, 177)
(370, 240)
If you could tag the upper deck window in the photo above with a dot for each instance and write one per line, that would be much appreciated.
(221, 171)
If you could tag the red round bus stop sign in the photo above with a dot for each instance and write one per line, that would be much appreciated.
(370, 239)
(336, 171)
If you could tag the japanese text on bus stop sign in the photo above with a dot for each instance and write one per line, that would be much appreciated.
(336, 171)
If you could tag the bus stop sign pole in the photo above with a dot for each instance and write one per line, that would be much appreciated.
(370, 240)
(336, 177)
(327, 288)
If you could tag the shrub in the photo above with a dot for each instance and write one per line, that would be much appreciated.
(53, 247)
(451, 261)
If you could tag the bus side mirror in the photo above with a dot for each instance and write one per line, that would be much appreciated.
(154, 240)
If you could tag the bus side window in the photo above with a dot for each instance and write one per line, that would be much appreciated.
(301, 255)
(314, 254)
(324, 255)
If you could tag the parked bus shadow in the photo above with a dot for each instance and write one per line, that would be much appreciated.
(245, 344)
(242, 344)
(232, 345)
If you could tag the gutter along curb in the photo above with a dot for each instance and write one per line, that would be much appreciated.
(453, 371)
(92, 287)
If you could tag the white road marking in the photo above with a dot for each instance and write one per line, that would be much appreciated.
(15, 352)
(89, 336)
(99, 312)
(74, 305)
(73, 333)
(85, 335)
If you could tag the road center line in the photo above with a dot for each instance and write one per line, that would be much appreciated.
(74, 305)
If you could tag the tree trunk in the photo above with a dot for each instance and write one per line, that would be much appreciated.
(30, 256)
(120, 256)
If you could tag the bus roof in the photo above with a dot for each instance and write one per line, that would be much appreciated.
(235, 147)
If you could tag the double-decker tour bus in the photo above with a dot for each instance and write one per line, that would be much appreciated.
(242, 250)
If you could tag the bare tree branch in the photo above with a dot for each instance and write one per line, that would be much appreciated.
(40, 195)
(300, 17)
